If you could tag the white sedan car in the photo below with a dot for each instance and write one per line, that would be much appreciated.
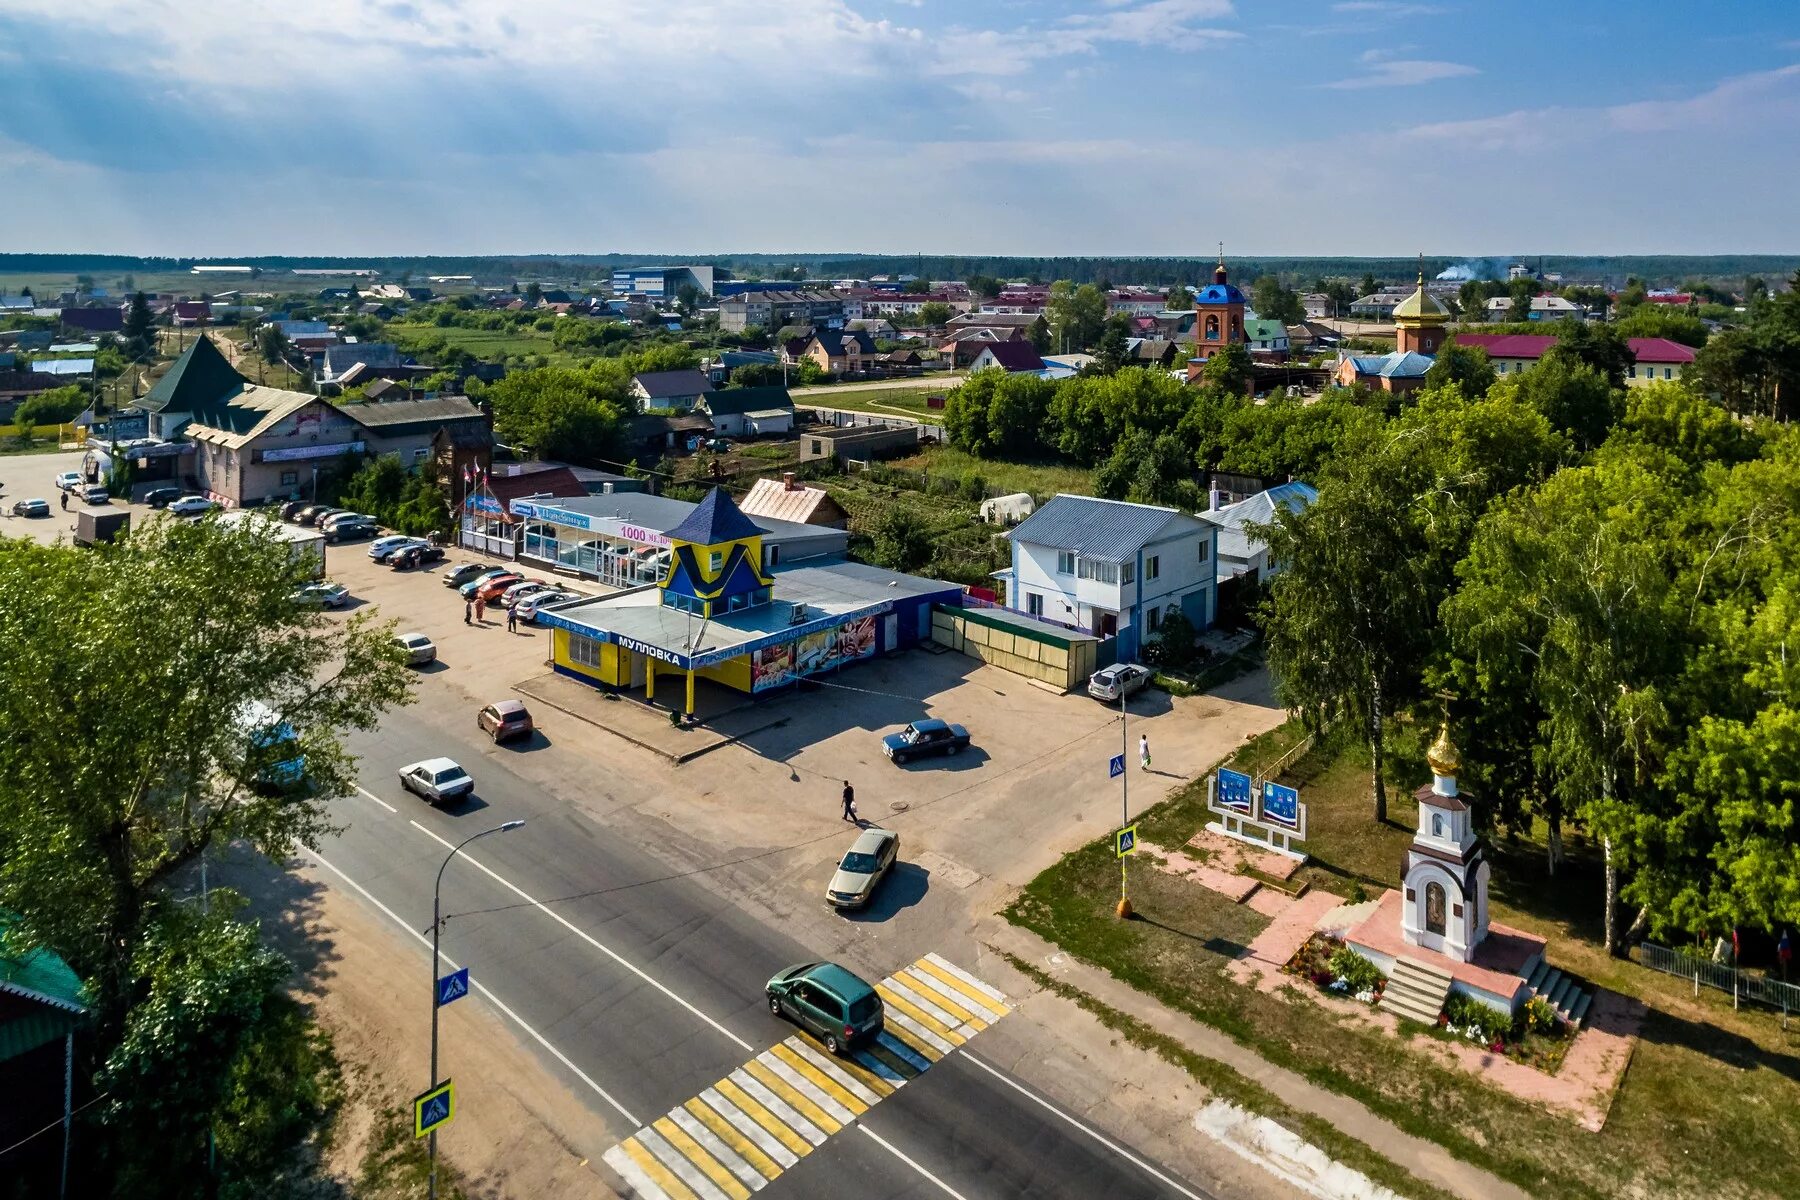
(419, 648)
(436, 780)
(192, 506)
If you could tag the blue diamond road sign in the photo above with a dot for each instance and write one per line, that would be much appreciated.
(1125, 841)
(453, 986)
(1115, 766)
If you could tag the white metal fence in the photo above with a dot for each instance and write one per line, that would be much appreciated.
(1742, 985)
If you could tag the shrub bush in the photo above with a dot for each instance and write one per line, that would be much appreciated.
(1358, 972)
(1540, 1015)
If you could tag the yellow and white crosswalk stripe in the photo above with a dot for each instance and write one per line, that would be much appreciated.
(738, 1135)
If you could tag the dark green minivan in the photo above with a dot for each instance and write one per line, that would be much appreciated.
(828, 1002)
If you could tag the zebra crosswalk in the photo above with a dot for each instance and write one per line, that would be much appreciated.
(745, 1130)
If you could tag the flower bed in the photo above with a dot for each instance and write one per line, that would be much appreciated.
(1333, 967)
(1534, 1036)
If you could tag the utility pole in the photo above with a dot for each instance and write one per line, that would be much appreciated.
(1124, 803)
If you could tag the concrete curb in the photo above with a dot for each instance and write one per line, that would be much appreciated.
(674, 758)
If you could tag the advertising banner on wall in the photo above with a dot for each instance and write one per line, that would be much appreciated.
(821, 650)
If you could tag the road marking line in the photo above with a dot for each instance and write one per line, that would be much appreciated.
(899, 1154)
(988, 990)
(737, 1110)
(801, 1081)
(920, 1041)
(863, 1082)
(944, 997)
(785, 1114)
(843, 1071)
(997, 1008)
(684, 1170)
(822, 1079)
(801, 1103)
(915, 1019)
(950, 1017)
(695, 1153)
(725, 1153)
(740, 1144)
(586, 937)
(1123, 1153)
(647, 1177)
(377, 799)
(919, 1062)
(477, 985)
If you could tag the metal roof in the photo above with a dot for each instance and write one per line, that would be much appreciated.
(1234, 541)
(1107, 530)
(39, 975)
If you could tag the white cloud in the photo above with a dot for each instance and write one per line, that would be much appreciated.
(1387, 8)
(1387, 71)
(1765, 99)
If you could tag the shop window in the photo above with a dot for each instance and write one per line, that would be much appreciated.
(584, 650)
(290, 478)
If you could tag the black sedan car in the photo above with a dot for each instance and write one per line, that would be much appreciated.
(416, 556)
(922, 738)
(160, 497)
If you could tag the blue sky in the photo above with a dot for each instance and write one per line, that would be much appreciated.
(220, 127)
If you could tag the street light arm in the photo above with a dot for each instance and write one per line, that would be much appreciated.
(505, 827)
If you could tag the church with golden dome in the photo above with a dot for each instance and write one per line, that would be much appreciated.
(1420, 323)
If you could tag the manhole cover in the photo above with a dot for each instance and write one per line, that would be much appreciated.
(899, 806)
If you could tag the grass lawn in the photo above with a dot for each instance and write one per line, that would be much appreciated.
(1040, 479)
(891, 400)
(488, 344)
(1707, 1107)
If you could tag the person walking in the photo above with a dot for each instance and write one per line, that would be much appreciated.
(480, 610)
(1143, 752)
(468, 612)
(512, 618)
(849, 802)
(65, 500)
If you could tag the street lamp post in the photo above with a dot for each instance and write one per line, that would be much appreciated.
(437, 925)
(1124, 801)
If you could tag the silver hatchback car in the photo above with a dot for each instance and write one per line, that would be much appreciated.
(1120, 679)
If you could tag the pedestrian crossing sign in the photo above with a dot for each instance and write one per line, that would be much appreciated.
(434, 1108)
(1125, 841)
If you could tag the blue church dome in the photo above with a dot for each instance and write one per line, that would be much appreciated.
(1219, 293)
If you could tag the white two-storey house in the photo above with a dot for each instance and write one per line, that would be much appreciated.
(1113, 568)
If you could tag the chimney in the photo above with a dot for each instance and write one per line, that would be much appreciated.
(787, 482)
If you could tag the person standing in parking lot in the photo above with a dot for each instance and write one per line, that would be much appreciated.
(468, 612)
(481, 610)
(512, 618)
(1143, 752)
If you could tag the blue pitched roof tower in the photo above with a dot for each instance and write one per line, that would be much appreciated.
(716, 560)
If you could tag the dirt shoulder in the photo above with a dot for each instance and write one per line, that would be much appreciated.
(518, 1130)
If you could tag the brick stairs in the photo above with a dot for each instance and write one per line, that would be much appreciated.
(1416, 991)
(1570, 995)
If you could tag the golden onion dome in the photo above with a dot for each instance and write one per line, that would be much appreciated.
(1421, 308)
(1443, 755)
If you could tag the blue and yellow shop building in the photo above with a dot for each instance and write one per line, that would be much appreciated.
(721, 615)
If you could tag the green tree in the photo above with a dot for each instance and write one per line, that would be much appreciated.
(1179, 298)
(687, 299)
(1572, 395)
(1275, 302)
(934, 314)
(756, 375)
(1523, 291)
(1109, 355)
(1571, 583)
(272, 343)
(1076, 315)
(985, 286)
(561, 412)
(902, 539)
(1038, 332)
(1465, 366)
(534, 293)
(103, 802)
(917, 287)
(54, 407)
(1230, 369)
(137, 334)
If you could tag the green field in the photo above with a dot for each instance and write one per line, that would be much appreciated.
(1002, 478)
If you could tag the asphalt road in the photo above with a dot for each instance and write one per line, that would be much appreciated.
(642, 991)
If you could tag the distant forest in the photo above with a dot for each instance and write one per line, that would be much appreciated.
(1654, 269)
